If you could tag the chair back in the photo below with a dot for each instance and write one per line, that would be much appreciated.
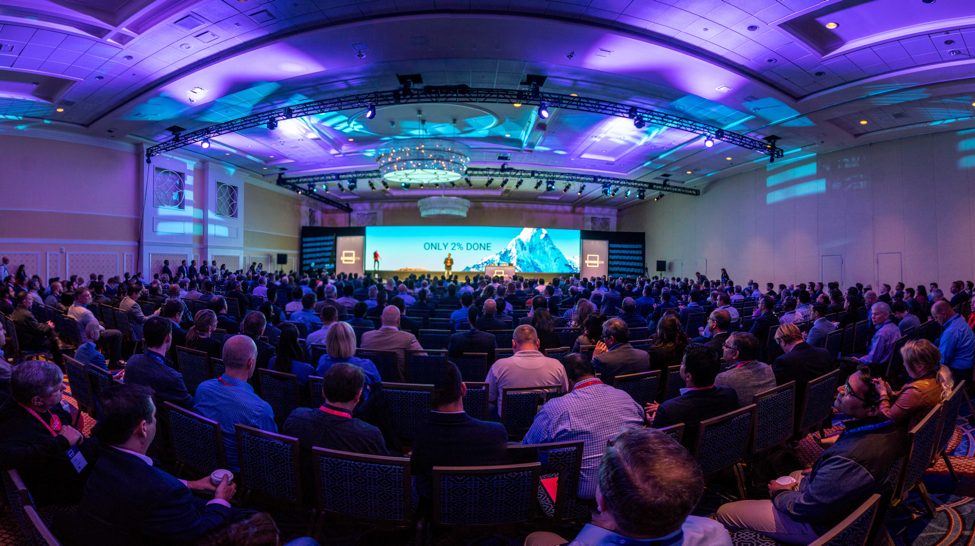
(80, 384)
(42, 535)
(472, 366)
(503, 337)
(834, 343)
(269, 463)
(233, 307)
(949, 417)
(519, 405)
(315, 399)
(317, 352)
(217, 367)
(558, 353)
(194, 366)
(642, 387)
(567, 336)
(434, 340)
(817, 404)
(638, 334)
(503, 352)
(71, 330)
(385, 362)
(723, 440)
(674, 431)
(675, 382)
(485, 495)
(695, 321)
(122, 323)
(18, 497)
(775, 417)
(365, 487)
(426, 369)
(256, 302)
(564, 461)
(861, 338)
(408, 406)
(108, 317)
(587, 350)
(148, 308)
(197, 441)
(358, 334)
(855, 529)
(281, 391)
(923, 439)
(770, 345)
(848, 334)
(476, 400)
(300, 326)
(100, 381)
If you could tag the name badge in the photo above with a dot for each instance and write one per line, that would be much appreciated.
(77, 459)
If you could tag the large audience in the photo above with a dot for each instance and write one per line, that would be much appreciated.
(730, 342)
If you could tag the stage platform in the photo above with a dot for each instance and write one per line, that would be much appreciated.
(462, 274)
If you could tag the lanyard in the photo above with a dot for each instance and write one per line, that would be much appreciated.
(740, 364)
(330, 411)
(55, 425)
(587, 383)
(871, 427)
(222, 382)
(700, 388)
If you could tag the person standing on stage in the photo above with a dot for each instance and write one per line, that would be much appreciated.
(448, 265)
(375, 260)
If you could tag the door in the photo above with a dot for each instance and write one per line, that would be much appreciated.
(833, 269)
(702, 267)
(889, 268)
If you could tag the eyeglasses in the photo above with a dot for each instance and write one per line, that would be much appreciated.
(849, 391)
(729, 347)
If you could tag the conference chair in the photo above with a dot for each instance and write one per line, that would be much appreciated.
(587, 350)
(775, 415)
(673, 383)
(317, 352)
(281, 391)
(771, 347)
(567, 336)
(194, 366)
(233, 308)
(408, 406)
(816, 404)
(895, 373)
(472, 366)
(426, 367)
(638, 334)
(848, 335)
(722, 442)
(674, 431)
(268, 465)
(922, 440)
(19, 499)
(694, 322)
(503, 337)
(476, 400)
(100, 381)
(197, 441)
(861, 337)
(503, 352)
(519, 405)
(642, 387)
(558, 353)
(257, 301)
(854, 530)
(949, 420)
(80, 385)
(43, 535)
(217, 367)
(385, 362)
(19, 354)
(434, 339)
(834, 343)
(72, 332)
(561, 471)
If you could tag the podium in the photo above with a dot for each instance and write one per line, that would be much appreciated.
(506, 271)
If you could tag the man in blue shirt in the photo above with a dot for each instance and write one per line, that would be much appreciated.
(957, 344)
(307, 314)
(882, 344)
(230, 399)
(87, 353)
(820, 328)
(459, 317)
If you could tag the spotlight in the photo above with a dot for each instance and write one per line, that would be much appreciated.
(504, 182)
(633, 113)
(326, 187)
(353, 184)
(709, 142)
(489, 182)
(205, 144)
(615, 191)
(272, 124)
(289, 113)
(538, 184)
(453, 184)
(628, 193)
(371, 186)
(659, 197)
(341, 187)
(582, 189)
(605, 189)
(519, 182)
(468, 180)
(385, 185)
(423, 185)
(405, 185)
(639, 123)
(566, 188)
(641, 194)
(550, 185)
(543, 111)
(371, 111)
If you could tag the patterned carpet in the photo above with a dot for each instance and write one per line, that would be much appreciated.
(954, 523)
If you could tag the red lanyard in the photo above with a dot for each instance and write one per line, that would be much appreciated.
(586, 383)
(743, 363)
(337, 413)
(222, 382)
(55, 425)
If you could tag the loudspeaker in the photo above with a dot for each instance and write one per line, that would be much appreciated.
(282, 259)
(661, 265)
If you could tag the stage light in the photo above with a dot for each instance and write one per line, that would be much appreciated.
(543, 111)
(341, 187)
(628, 193)
(453, 184)
(289, 113)
(550, 185)
(385, 185)
(582, 189)
(566, 188)
(538, 184)
(709, 142)
(639, 123)
(489, 182)
(519, 182)
(659, 197)
(504, 182)
(326, 187)
(405, 185)
(423, 185)
(468, 180)
(641, 194)
(371, 111)
(605, 189)
(633, 113)
(272, 124)
(353, 184)
(205, 144)
(371, 186)
(615, 191)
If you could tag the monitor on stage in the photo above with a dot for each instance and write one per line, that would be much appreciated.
(473, 249)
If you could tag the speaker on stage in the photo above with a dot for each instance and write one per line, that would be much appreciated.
(661, 265)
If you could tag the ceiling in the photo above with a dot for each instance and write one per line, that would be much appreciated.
(130, 69)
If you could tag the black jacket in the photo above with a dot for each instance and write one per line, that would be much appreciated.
(760, 327)
(156, 372)
(693, 407)
(622, 359)
(802, 364)
(316, 428)
(228, 323)
(490, 322)
(455, 439)
(472, 341)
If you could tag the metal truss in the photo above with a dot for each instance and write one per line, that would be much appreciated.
(429, 94)
(311, 194)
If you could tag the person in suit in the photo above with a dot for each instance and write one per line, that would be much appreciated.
(538, 302)
(31, 334)
(450, 437)
(820, 328)
(658, 311)
(358, 317)
(166, 270)
(389, 337)
(218, 305)
(450, 300)
(489, 321)
(614, 355)
(718, 322)
(128, 500)
(191, 272)
(743, 372)
(630, 316)
(253, 327)
(172, 310)
(765, 321)
(801, 362)
(133, 311)
(473, 340)
(87, 353)
(406, 323)
(181, 270)
(152, 369)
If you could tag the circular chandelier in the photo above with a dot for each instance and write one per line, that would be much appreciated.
(423, 161)
(444, 206)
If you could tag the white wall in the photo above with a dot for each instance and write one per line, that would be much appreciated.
(774, 224)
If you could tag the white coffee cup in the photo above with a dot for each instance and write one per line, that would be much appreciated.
(786, 480)
(217, 476)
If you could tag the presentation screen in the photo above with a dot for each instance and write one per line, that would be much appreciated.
(423, 248)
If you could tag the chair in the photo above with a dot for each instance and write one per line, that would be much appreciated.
(147, 308)
(21, 355)
(674, 383)
(100, 381)
(233, 307)
(861, 339)
(269, 464)
(300, 326)
(894, 371)
(317, 352)
(17, 498)
(817, 403)
(315, 399)
(558, 353)
(848, 332)
(256, 302)
(500, 353)
(122, 324)
(80, 385)
(923, 439)
(194, 366)
(674, 431)
(71, 331)
(519, 405)
(358, 334)
(855, 529)
(638, 334)
(472, 366)
(408, 406)
(562, 461)
(642, 387)
(484, 495)
(197, 441)
(949, 418)
(385, 362)
(476, 400)
(587, 350)
(695, 321)
(775, 417)
(426, 369)
(567, 337)
(503, 337)
(722, 441)
(217, 367)
(281, 391)
(771, 347)
(434, 339)
(834, 343)
(366, 488)
(40, 528)
(108, 317)
(441, 324)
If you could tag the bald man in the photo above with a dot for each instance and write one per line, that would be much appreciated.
(957, 342)
(390, 338)
(489, 321)
(229, 399)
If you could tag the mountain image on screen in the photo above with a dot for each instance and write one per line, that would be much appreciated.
(532, 251)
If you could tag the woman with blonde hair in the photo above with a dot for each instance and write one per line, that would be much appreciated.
(930, 384)
(198, 336)
(340, 346)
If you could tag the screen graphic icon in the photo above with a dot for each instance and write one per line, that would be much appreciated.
(592, 260)
(348, 257)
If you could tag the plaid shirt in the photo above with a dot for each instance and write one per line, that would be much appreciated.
(592, 412)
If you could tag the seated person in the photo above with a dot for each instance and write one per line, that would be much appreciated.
(743, 372)
(473, 340)
(645, 472)
(630, 316)
(340, 346)
(887, 334)
(289, 356)
(801, 362)
(32, 335)
(332, 426)
(329, 317)
(700, 400)
(198, 336)
(528, 367)
(88, 353)
(129, 501)
(307, 313)
(225, 322)
(615, 356)
(37, 439)
(230, 399)
(450, 437)
(359, 314)
(905, 319)
(489, 321)
(152, 369)
(843, 477)
(930, 384)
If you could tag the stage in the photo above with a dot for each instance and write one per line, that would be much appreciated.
(547, 277)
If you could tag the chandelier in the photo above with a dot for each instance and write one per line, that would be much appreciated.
(423, 161)
(443, 206)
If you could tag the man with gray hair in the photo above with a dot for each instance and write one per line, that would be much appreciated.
(390, 338)
(615, 356)
(330, 301)
(957, 342)
(528, 367)
(887, 334)
(230, 399)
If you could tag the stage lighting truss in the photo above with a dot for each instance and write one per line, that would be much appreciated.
(464, 94)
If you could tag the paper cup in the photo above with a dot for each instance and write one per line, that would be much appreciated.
(217, 476)
(784, 480)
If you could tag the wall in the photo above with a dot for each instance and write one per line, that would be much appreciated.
(274, 220)
(894, 211)
(500, 214)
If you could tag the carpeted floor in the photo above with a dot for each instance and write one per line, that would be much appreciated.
(954, 523)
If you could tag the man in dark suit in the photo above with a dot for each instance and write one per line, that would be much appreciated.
(765, 321)
(127, 500)
(253, 327)
(173, 311)
(693, 307)
(490, 320)
(719, 322)
(801, 362)
(166, 270)
(406, 324)
(658, 311)
(31, 334)
(191, 272)
(701, 401)
(359, 320)
(630, 316)
(450, 437)
(451, 300)
(152, 369)
(181, 270)
(224, 321)
(538, 302)
(473, 340)
(615, 356)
